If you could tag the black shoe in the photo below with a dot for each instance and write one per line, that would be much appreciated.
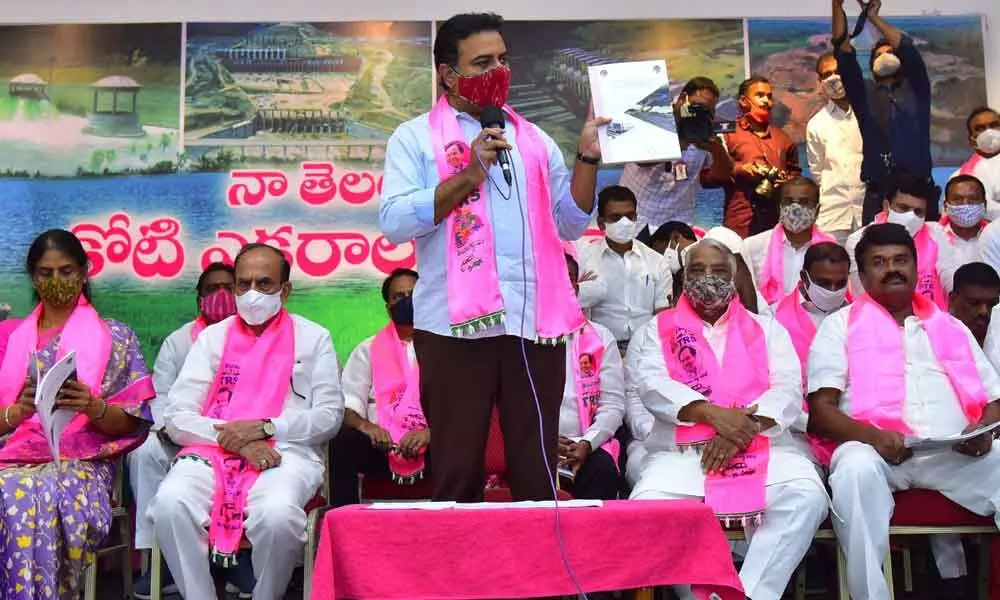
(143, 588)
(955, 589)
(241, 576)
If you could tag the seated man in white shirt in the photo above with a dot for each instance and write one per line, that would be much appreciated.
(889, 366)
(964, 217)
(148, 464)
(983, 127)
(624, 281)
(776, 254)
(592, 410)
(375, 388)
(727, 383)
(906, 203)
(258, 397)
(833, 147)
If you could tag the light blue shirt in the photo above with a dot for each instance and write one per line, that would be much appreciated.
(407, 213)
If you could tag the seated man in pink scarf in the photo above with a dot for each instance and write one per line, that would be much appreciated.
(56, 515)
(724, 387)
(385, 433)
(592, 409)
(148, 464)
(776, 255)
(906, 203)
(253, 406)
(886, 369)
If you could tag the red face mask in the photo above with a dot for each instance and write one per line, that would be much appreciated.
(488, 89)
(758, 114)
(218, 305)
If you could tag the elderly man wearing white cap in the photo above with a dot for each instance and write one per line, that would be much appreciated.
(718, 379)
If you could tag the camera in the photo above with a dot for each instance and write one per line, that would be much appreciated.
(770, 176)
(695, 123)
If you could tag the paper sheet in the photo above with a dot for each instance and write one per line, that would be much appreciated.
(484, 505)
(947, 441)
(54, 420)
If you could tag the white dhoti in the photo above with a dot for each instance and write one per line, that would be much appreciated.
(862, 484)
(275, 524)
(797, 504)
(147, 466)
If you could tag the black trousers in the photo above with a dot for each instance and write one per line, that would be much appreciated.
(353, 455)
(460, 379)
(597, 479)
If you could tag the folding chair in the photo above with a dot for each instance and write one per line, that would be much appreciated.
(119, 516)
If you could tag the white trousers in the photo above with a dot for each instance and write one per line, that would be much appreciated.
(795, 510)
(275, 524)
(862, 484)
(949, 556)
(147, 466)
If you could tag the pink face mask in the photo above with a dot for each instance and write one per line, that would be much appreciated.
(488, 89)
(218, 305)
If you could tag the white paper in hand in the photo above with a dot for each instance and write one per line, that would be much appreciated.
(636, 97)
(947, 441)
(54, 420)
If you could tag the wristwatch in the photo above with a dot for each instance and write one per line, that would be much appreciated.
(590, 160)
(269, 429)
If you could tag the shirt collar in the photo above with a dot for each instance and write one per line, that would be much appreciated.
(837, 112)
(744, 124)
(633, 250)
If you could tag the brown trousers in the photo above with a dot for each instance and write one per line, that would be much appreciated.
(459, 381)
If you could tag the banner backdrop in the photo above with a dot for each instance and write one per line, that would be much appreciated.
(165, 147)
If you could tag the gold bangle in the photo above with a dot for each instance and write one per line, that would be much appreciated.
(104, 411)
(6, 417)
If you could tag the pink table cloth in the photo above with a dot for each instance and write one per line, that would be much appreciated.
(507, 552)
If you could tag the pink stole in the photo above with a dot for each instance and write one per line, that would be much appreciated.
(474, 299)
(199, 325)
(772, 277)
(969, 166)
(876, 361)
(396, 386)
(802, 330)
(928, 282)
(85, 333)
(588, 343)
(251, 382)
(738, 492)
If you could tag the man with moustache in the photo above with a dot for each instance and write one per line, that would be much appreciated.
(889, 366)
(759, 151)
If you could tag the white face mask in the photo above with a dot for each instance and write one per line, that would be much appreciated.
(825, 300)
(673, 258)
(833, 87)
(256, 308)
(909, 220)
(966, 215)
(886, 65)
(988, 142)
(621, 231)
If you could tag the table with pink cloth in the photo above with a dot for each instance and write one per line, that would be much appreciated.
(508, 552)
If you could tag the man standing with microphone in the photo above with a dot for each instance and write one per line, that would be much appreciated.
(494, 304)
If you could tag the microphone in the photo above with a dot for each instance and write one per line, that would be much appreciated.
(492, 118)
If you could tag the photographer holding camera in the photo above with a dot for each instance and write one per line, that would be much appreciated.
(764, 157)
(667, 191)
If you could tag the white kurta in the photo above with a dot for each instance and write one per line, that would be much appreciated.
(796, 499)
(628, 288)
(862, 482)
(792, 259)
(610, 406)
(357, 379)
(965, 251)
(676, 472)
(275, 525)
(148, 464)
(947, 262)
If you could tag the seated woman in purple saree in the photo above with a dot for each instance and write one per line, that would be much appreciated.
(54, 518)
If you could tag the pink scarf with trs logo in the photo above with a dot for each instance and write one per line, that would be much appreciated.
(738, 492)
(396, 386)
(251, 382)
(588, 344)
(474, 299)
(876, 362)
